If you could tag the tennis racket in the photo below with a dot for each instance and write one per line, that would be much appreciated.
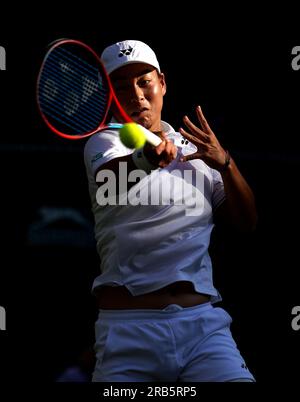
(74, 92)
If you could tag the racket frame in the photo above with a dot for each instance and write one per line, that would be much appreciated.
(111, 93)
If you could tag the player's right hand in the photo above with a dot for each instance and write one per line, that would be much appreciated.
(163, 154)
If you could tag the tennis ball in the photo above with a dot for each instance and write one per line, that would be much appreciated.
(132, 135)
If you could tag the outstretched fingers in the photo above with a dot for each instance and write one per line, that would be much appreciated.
(196, 131)
(202, 120)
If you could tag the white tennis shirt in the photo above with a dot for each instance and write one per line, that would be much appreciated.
(162, 235)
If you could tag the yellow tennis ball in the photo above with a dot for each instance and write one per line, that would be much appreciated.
(132, 136)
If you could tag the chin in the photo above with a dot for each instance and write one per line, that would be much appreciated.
(145, 122)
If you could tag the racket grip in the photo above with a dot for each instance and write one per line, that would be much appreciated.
(152, 138)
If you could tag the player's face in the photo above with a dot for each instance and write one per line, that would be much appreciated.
(140, 90)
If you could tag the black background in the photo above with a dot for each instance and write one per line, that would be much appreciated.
(235, 63)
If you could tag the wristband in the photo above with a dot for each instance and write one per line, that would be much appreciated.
(141, 162)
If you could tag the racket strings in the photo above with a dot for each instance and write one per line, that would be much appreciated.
(73, 74)
(78, 123)
(72, 92)
(93, 80)
(66, 79)
(67, 109)
(70, 102)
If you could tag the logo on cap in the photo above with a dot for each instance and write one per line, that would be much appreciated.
(125, 52)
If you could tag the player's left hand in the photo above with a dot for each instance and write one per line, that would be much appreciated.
(208, 146)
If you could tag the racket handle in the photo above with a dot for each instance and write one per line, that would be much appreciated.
(153, 139)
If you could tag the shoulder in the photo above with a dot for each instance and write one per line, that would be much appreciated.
(103, 141)
(102, 147)
(107, 135)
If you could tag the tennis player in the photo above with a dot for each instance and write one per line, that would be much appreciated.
(157, 320)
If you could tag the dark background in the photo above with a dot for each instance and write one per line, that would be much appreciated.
(237, 66)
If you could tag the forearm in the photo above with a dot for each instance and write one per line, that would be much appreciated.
(239, 199)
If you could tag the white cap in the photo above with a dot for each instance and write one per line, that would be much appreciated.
(128, 51)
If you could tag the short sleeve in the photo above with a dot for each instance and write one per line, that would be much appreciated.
(218, 193)
(101, 148)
